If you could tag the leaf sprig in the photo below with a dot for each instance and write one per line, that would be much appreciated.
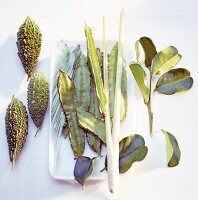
(158, 63)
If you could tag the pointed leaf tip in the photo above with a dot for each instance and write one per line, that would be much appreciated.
(145, 51)
(140, 77)
(172, 148)
(165, 60)
(83, 169)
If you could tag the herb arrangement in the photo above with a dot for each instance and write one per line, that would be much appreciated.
(87, 87)
(28, 43)
(89, 99)
(80, 83)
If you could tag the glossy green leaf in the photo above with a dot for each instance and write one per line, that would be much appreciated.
(95, 68)
(174, 81)
(172, 148)
(83, 169)
(145, 51)
(131, 149)
(67, 98)
(112, 67)
(82, 82)
(165, 60)
(140, 76)
(90, 123)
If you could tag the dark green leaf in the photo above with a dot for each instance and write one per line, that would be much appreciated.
(173, 150)
(165, 60)
(83, 169)
(145, 51)
(174, 81)
(132, 149)
(140, 76)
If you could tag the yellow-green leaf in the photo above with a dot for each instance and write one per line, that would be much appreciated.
(90, 123)
(165, 60)
(95, 68)
(112, 67)
(140, 76)
(172, 148)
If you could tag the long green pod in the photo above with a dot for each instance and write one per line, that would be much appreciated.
(65, 61)
(94, 142)
(67, 98)
(112, 81)
(95, 68)
(94, 104)
(82, 84)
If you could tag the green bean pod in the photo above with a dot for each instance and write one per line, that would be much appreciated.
(68, 101)
(94, 141)
(82, 82)
(83, 90)
(65, 61)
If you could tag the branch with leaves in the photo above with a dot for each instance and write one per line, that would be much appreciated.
(171, 82)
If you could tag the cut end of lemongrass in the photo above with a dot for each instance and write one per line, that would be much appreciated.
(13, 164)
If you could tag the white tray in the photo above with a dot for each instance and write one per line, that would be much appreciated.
(61, 160)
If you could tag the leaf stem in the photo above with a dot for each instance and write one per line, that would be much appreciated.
(149, 105)
(150, 115)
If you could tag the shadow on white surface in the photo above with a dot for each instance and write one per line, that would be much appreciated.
(11, 70)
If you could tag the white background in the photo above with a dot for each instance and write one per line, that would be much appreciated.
(167, 22)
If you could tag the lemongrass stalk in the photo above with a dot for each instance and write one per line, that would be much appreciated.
(117, 101)
(112, 179)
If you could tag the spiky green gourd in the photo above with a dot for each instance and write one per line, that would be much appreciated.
(38, 93)
(29, 40)
(16, 122)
